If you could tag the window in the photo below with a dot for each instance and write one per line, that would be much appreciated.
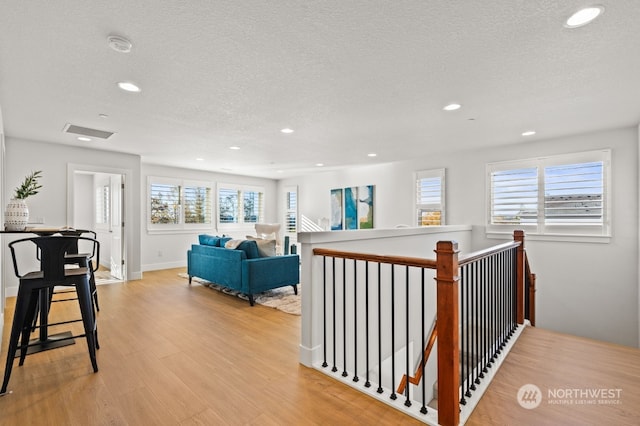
(197, 204)
(291, 210)
(240, 205)
(165, 203)
(561, 195)
(176, 204)
(102, 205)
(430, 197)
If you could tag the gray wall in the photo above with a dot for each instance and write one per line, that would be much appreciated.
(586, 289)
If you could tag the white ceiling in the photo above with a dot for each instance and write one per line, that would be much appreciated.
(349, 76)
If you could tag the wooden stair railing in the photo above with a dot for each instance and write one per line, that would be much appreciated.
(415, 379)
(531, 281)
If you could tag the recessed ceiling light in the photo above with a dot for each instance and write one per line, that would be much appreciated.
(103, 116)
(319, 164)
(84, 139)
(234, 147)
(452, 107)
(119, 43)
(372, 154)
(584, 16)
(279, 171)
(287, 130)
(129, 86)
(199, 159)
(529, 133)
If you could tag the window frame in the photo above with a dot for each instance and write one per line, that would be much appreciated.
(181, 225)
(429, 174)
(540, 229)
(240, 190)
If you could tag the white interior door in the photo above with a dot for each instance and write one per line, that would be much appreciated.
(116, 228)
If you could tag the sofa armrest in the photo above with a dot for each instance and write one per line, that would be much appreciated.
(266, 273)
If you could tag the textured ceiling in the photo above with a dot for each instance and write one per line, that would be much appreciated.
(350, 77)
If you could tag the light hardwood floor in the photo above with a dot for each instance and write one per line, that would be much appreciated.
(569, 371)
(172, 354)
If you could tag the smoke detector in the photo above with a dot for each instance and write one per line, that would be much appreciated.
(119, 43)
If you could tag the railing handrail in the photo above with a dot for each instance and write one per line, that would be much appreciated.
(477, 255)
(417, 376)
(396, 260)
(498, 322)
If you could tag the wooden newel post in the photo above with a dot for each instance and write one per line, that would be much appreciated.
(448, 333)
(519, 236)
(532, 300)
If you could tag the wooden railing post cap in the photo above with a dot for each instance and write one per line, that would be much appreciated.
(518, 235)
(447, 247)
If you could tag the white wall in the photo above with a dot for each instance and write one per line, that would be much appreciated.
(162, 250)
(586, 289)
(52, 202)
(83, 211)
(2, 173)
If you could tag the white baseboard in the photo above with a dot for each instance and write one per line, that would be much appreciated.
(166, 265)
(11, 291)
(308, 356)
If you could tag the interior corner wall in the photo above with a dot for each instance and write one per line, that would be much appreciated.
(163, 250)
(2, 200)
(51, 203)
(585, 289)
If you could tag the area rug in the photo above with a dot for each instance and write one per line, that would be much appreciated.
(282, 299)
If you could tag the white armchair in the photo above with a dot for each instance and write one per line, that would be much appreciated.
(269, 231)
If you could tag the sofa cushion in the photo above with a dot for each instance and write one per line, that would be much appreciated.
(266, 247)
(249, 247)
(209, 240)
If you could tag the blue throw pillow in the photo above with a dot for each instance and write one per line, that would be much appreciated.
(223, 241)
(209, 240)
(250, 249)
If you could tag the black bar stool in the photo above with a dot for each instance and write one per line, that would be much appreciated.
(33, 285)
(85, 259)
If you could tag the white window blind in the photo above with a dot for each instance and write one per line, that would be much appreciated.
(514, 196)
(197, 204)
(176, 205)
(252, 206)
(559, 195)
(291, 213)
(430, 197)
(228, 202)
(165, 203)
(102, 205)
(240, 205)
(574, 193)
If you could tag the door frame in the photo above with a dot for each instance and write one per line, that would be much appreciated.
(125, 214)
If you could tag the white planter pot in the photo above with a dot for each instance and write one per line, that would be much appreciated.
(16, 216)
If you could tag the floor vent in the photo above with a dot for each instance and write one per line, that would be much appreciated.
(85, 131)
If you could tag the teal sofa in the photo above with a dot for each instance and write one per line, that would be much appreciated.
(241, 269)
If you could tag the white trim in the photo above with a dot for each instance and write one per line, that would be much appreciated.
(127, 208)
(240, 224)
(181, 227)
(555, 232)
(430, 174)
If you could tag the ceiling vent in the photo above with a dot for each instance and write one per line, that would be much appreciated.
(85, 131)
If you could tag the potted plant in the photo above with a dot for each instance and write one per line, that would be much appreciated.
(17, 213)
